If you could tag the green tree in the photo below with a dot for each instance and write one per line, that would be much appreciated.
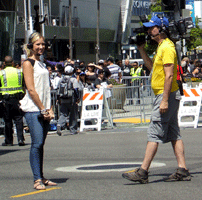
(195, 38)
(156, 7)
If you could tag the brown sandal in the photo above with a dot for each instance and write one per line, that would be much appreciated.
(47, 182)
(38, 185)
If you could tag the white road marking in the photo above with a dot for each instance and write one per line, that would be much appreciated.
(81, 168)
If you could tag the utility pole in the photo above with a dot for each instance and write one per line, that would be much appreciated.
(42, 15)
(70, 31)
(98, 32)
(177, 16)
(28, 19)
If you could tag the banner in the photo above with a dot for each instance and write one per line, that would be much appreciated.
(190, 6)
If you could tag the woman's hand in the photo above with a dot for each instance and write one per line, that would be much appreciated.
(49, 115)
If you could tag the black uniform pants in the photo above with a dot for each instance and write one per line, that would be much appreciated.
(11, 112)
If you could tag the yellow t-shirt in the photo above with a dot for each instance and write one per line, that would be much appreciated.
(166, 54)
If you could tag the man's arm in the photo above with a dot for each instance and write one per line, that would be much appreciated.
(52, 63)
(120, 76)
(147, 60)
(169, 70)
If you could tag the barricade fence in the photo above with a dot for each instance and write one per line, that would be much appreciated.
(131, 99)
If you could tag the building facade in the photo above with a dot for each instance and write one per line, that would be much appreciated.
(132, 20)
(56, 27)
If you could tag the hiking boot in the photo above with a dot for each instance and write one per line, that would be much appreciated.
(59, 132)
(181, 174)
(138, 174)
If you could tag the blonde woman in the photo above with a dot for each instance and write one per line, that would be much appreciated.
(36, 106)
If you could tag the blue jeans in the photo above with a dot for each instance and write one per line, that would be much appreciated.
(38, 130)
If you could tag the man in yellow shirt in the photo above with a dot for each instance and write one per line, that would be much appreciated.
(164, 122)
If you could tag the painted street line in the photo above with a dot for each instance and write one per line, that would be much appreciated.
(36, 192)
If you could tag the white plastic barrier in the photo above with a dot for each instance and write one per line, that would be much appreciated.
(92, 109)
(190, 105)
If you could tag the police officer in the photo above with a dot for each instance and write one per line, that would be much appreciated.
(11, 91)
(136, 71)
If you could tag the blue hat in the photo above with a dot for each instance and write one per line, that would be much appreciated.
(82, 73)
(156, 21)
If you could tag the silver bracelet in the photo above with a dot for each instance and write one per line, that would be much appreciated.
(43, 112)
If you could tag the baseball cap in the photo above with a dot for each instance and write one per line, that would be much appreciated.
(156, 21)
(100, 61)
(82, 73)
(69, 69)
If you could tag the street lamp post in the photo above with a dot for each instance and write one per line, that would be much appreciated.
(28, 19)
(70, 30)
(98, 32)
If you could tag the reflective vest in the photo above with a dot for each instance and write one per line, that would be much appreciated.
(11, 81)
(136, 73)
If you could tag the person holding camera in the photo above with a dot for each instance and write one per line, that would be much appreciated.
(11, 91)
(163, 127)
(36, 105)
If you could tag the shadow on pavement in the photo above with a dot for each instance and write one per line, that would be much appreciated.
(5, 151)
(60, 180)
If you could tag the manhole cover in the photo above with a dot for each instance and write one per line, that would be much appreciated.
(106, 167)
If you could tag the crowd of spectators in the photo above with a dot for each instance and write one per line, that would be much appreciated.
(107, 72)
(191, 68)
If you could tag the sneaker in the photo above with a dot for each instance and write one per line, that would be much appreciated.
(7, 144)
(59, 132)
(74, 133)
(138, 174)
(21, 143)
(181, 174)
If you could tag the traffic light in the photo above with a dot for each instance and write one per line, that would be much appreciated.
(168, 5)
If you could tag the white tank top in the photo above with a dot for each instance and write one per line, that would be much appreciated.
(42, 87)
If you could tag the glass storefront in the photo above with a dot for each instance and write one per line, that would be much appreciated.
(8, 28)
(7, 33)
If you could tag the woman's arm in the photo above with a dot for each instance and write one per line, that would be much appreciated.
(195, 72)
(110, 86)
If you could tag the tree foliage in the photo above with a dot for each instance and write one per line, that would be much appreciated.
(156, 7)
(195, 37)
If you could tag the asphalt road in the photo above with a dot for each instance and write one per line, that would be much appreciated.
(89, 166)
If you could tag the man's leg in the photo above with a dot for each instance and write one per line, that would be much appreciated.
(141, 174)
(178, 148)
(182, 173)
(149, 155)
(7, 116)
(63, 118)
(73, 124)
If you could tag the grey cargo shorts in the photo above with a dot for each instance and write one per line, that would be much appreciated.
(164, 127)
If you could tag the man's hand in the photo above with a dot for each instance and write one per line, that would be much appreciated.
(163, 107)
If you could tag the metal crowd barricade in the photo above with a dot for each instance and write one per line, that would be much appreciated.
(134, 98)
(55, 105)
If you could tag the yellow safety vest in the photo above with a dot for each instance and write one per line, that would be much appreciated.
(11, 81)
(137, 73)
